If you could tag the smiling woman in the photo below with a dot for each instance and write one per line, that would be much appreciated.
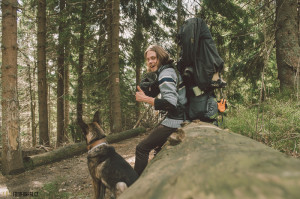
(155, 57)
(152, 62)
(172, 100)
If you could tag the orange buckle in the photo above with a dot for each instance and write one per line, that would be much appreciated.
(222, 105)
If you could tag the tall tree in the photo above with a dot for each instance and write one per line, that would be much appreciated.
(137, 45)
(60, 75)
(179, 22)
(42, 69)
(67, 75)
(66, 92)
(287, 43)
(115, 97)
(81, 62)
(32, 104)
(12, 161)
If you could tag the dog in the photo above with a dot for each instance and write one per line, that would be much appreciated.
(107, 168)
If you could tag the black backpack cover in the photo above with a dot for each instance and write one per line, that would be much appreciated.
(199, 57)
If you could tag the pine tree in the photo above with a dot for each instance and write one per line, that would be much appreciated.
(12, 161)
(115, 98)
(42, 69)
(287, 44)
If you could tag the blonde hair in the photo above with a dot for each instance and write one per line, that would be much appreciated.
(161, 54)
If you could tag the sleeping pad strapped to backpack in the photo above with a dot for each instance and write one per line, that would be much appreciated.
(199, 61)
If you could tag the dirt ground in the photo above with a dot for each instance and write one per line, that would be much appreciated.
(69, 178)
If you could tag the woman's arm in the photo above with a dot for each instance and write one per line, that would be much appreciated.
(141, 97)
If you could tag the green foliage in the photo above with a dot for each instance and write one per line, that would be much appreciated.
(276, 122)
(52, 190)
(236, 26)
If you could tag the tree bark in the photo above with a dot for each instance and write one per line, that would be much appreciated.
(66, 89)
(287, 43)
(32, 105)
(179, 23)
(115, 96)
(60, 76)
(204, 161)
(12, 157)
(66, 103)
(80, 64)
(42, 79)
(138, 55)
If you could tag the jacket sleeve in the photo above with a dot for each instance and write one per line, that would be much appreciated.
(168, 89)
(164, 105)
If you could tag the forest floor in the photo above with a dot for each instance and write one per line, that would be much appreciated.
(69, 178)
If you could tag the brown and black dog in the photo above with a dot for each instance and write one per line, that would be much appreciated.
(108, 169)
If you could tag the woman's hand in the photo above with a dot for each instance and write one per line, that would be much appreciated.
(141, 97)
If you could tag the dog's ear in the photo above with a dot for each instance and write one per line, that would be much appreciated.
(83, 125)
(96, 117)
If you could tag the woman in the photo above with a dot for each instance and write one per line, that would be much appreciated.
(173, 99)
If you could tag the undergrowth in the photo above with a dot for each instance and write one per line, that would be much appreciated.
(51, 190)
(275, 122)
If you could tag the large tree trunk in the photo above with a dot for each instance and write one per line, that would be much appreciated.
(115, 96)
(32, 104)
(60, 76)
(179, 23)
(212, 163)
(287, 44)
(11, 153)
(80, 65)
(42, 80)
(138, 55)
(66, 103)
(66, 87)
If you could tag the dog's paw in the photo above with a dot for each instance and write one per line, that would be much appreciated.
(120, 188)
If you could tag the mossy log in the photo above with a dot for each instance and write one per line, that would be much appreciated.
(75, 149)
(56, 155)
(116, 137)
(208, 162)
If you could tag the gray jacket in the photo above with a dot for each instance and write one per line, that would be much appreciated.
(172, 91)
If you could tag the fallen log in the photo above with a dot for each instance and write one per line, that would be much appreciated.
(112, 138)
(68, 151)
(74, 149)
(204, 161)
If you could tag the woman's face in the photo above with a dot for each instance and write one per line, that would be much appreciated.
(152, 61)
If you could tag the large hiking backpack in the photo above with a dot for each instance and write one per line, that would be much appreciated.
(199, 61)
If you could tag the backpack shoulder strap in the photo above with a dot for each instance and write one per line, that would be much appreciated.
(164, 67)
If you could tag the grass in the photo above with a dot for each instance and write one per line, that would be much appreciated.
(275, 122)
(52, 191)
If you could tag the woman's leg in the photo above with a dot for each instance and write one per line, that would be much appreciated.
(156, 138)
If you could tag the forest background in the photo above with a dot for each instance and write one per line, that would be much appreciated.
(73, 57)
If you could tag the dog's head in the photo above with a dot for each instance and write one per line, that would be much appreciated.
(92, 131)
